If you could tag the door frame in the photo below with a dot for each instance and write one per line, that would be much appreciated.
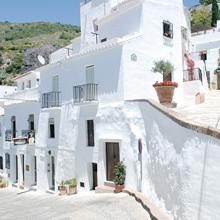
(102, 150)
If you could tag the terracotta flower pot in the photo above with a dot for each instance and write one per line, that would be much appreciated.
(119, 188)
(165, 93)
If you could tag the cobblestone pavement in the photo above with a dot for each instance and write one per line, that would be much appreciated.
(21, 205)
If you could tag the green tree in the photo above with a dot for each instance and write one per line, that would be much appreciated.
(215, 13)
(201, 19)
(205, 2)
(1, 59)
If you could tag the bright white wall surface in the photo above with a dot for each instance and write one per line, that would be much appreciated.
(33, 76)
(89, 12)
(21, 111)
(179, 166)
(119, 24)
(71, 72)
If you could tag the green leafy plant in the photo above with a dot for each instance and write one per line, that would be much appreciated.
(119, 173)
(165, 68)
(215, 13)
(71, 182)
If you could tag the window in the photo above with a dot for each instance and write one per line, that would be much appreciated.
(29, 84)
(184, 33)
(22, 86)
(51, 128)
(167, 29)
(7, 161)
(89, 74)
(1, 163)
(95, 26)
(103, 40)
(55, 84)
(203, 55)
(90, 133)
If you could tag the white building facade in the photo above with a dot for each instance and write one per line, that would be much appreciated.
(84, 112)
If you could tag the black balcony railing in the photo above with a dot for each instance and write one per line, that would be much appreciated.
(50, 100)
(8, 135)
(85, 93)
(192, 74)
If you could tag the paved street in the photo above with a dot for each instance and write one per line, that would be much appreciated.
(32, 205)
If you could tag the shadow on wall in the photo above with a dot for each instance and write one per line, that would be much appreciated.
(177, 164)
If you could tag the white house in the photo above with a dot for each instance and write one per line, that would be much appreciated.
(93, 112)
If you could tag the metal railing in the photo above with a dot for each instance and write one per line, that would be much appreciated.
(8, 135)
(85, 93)
(50, 99)
(192, 74)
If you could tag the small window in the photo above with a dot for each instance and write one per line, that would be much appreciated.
(184, 33)
(7, 161)
(103, 40)
(95, 26)
(1, 163)
(22, 86)
(29, 84)
(203, 55)
(90, 133)
(51, 128)
(167, 29)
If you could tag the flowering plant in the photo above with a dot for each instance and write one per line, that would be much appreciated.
(165, 83)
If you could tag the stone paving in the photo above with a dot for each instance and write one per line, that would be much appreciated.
(207, 113)
(21, 205)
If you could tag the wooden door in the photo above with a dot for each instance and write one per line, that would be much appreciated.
(218, 81)
(112, 158)
(95, 175)
(52, 173)
(16, 168)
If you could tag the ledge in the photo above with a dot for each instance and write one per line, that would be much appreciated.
(154, 212)
(181, 120)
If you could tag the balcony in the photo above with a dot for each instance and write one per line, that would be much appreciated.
(50, 99)
(27, 137)
(8, 135)
(192, 74)
(85, 93)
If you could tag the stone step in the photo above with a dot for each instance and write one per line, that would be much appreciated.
(110, 184)
(104, 189)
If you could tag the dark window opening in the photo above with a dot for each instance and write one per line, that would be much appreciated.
(167, 29)
(51, 128)
(103, 40)
(1, 163)
(82, 184)
(203, 55)
(7, 161)
(90, 133)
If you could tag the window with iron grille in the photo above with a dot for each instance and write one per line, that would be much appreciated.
(167, 29)
(90, 133)
(1, 163)
(51, 128)
(7, 161)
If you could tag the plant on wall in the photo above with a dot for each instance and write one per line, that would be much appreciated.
(165, 89)
(164, 67)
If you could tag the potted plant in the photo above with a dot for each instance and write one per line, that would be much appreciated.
(62, 189)
(71, 186)
(165, 89)
(119, 176)
(3, 183)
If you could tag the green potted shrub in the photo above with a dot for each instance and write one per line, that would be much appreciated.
(71, 186)
(62, 189)
(3, 183)
(165, 89)
(119, 176)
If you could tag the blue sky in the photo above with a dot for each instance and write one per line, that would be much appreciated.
(64, 11)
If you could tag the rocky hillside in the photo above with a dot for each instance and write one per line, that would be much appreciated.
(21, 43)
